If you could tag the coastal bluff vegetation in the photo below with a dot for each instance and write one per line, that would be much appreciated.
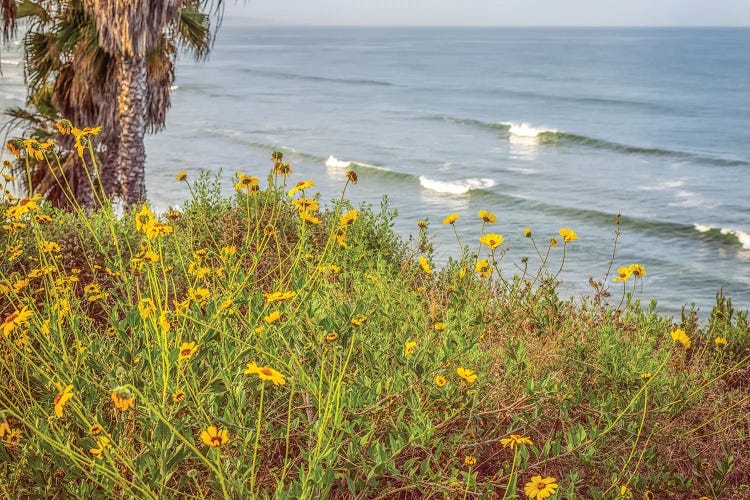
(270, 344)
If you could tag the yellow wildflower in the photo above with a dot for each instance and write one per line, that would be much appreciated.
(214, 437)
(49, 246)
(483, 268)
(82, 137)
(146, 307)
(568, 234)
(452, 218)
(305, 204)
(425, 265)
(492, 240)
(637, 270)
(487, 217)
(515, 439)
(101, 444)
(228, 251)
(181, 176)
(24, 206)
(16, 319)
(274, 316)
(247, 182)
(64, 395)
(308, 217)
(123, 398)
(440, 381)
(527, 232)
(156, 229)
(720, 341)
(143, 218)
(178, 396)
(187, 349)
(301, 186)
(540, 488)
(680, 336)
(439, 327)
(278, 296)
(466, 374)
(358, 320)
(623, 274)
(470, 460)
(348, 218)
(265, 373)
(409, 348)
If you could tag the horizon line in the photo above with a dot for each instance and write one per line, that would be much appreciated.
(276, 24)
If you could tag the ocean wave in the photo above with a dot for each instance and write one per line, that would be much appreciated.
(526, 133)
(315, 78)
(523, 171)
(663, 186)
(689, 199)
(734, 235)
(333, 162)
(13, 62)
(461, 186)
(527, 130)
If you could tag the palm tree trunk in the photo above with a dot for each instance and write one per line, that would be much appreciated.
(109, 172)
(131, 108)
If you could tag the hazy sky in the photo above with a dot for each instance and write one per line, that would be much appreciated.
(497, 12)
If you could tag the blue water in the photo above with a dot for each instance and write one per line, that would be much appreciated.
(545, 127)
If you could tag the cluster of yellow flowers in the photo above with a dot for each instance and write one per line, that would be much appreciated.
(634, 270)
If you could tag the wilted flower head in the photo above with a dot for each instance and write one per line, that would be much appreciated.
(64, 126)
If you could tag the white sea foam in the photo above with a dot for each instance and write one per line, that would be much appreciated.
(742, 236)
(663, 186)
(14, 62)
(461, 186)
(526, 130)
(333, 162)
(690, 199)
(172, 88)
(524, 171)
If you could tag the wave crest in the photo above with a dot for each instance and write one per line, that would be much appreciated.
(737, 235)
(333, 162)
(461, 186)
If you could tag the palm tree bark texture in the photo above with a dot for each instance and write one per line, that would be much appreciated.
(130, 120)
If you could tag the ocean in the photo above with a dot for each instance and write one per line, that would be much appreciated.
(545, 127)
